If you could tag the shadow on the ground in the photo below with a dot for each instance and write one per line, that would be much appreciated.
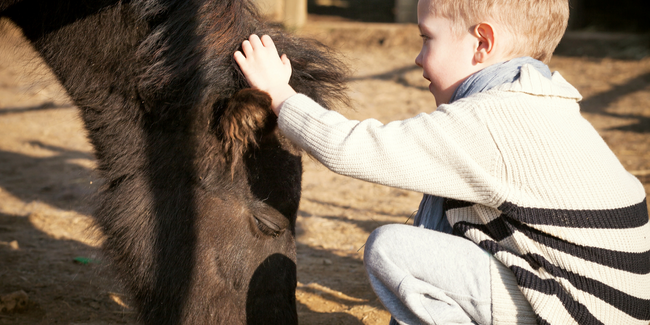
(599, 103)
(41, 107)
(351, 209)
(309, 316)
(596, 104)
(367, 225)
(396, 75)
(54, 180)
(58, 288)
(334, 271)
(314, 317)
(626, 46)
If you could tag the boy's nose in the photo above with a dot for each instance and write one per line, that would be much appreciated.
(418, 60)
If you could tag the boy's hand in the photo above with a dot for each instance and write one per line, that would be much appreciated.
(265, 69)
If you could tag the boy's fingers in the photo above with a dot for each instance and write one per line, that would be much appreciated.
(246, 48)
(255, 42)
(285, 59)
(267, 41)
(240, 59)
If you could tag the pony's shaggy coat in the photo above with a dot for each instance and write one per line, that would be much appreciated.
(200, 190)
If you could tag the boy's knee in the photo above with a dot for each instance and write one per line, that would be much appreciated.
(380, 237)
(380, 245)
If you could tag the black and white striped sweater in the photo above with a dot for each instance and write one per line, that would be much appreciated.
(528, 179)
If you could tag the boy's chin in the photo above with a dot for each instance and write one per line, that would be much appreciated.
(432, 90)
(437, 96)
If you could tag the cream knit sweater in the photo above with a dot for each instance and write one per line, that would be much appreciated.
(528, 179)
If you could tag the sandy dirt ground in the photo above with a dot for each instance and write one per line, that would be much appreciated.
(49, 251)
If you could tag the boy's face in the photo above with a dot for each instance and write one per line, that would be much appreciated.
(446, 58)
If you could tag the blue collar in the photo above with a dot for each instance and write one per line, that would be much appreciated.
(496, 75)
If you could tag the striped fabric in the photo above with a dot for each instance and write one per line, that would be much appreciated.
(553, 271)
(527, 179)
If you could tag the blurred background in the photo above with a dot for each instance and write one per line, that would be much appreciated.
(600, 15)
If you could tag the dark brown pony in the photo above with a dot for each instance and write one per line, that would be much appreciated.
(200, 189)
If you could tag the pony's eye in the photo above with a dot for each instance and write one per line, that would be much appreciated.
(266, 229)
(269, 221)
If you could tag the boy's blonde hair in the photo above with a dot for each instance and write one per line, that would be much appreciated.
(536, 26)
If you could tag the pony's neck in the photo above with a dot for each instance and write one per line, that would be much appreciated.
(87, 45)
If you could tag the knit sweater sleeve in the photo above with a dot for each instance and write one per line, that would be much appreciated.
(446, 153)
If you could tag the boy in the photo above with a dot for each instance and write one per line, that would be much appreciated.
(548, 226)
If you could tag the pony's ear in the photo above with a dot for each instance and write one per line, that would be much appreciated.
(246, 120)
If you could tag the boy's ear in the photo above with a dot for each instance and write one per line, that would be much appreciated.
(484, 32)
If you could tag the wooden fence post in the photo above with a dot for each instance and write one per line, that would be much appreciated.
(272, 10)
(295, 14)
(291, 13)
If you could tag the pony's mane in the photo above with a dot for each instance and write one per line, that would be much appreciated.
(174, 49)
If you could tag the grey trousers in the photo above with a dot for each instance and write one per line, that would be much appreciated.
(424, 276)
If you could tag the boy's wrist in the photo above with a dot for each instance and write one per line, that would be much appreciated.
(278, 96)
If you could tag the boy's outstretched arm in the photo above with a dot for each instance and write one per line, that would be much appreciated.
(265, 69)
